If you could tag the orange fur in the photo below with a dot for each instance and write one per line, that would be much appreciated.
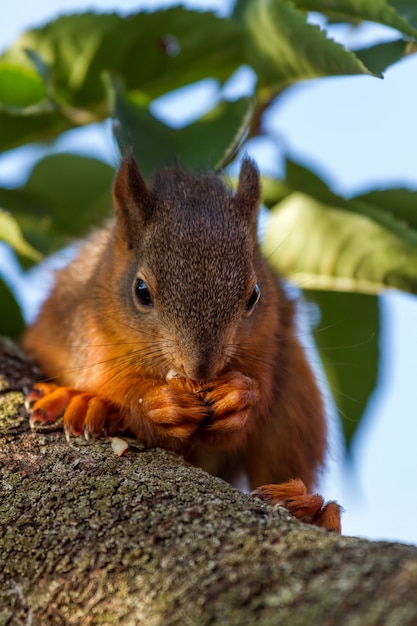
(309, 508)
(244, 400)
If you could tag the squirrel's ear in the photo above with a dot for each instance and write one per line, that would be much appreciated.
(248, 193)
(131, 198)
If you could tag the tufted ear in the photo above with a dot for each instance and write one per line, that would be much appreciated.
(132, 200)
(248, 193)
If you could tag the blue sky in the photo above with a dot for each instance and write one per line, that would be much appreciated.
(358, 133)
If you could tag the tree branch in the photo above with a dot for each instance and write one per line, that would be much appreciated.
(91, 538)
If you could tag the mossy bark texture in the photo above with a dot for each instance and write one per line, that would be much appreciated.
(87, 537)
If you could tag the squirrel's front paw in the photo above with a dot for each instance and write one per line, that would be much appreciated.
(47, 402)
(83, 413)
(309, 508)
(174, 410)
(231, 399)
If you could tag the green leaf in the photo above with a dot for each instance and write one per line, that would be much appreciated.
(180, 46)
(43, 70)
(407, 9)
(372, 10)
(283, 47)
(396, 211)
(16, 201)
(11, 320)
(19, 87)
(19, 129)
(12, 235)
(63, 197)
(320, 247)
(206, 143)
(300, 178)
(154, 52)
(381, 56)
(30, 214)
(75, 192)
(347, 338)
(402, 203)
(273, 190)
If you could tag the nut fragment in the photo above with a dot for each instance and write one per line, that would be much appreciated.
(119, 446)
(172, 374)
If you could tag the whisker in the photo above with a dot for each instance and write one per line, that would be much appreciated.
(150, 357)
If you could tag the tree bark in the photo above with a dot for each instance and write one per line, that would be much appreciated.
(88, 537)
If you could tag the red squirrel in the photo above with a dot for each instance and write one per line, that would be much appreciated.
(170, 326)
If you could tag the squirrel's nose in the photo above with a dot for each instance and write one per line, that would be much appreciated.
(201, 371)
(197, 374)
(201, 361)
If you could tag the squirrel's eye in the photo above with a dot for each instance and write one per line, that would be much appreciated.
(254, 297)
(142, 293)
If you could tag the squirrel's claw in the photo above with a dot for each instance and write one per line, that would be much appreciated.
(38, 417)
(230, 401)
(50, 402)
(311, 509)
(84, 414)
(174, 410)
(38, 391)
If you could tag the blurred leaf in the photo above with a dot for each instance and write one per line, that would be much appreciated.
(347, 338)
(11, 320)
(320, 247)
(407, 9)
(402, 203)
(63, 197)
(283, 47)
(273, 190)
(18, 129)
(378, 11)
(19, 87)
(393, 222)
(30, 215)
(395, 210)
(16, 200)
(206, 143)
(44, 71)
(72, 53)
(214, 138)
(382, 55)
(300, 178)
(75, 192)
(12, 235)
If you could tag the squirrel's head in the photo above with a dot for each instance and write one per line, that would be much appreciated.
(192, 277)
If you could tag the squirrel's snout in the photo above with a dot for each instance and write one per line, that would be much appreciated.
(201, 373)
(199, 359)
(202, 370)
